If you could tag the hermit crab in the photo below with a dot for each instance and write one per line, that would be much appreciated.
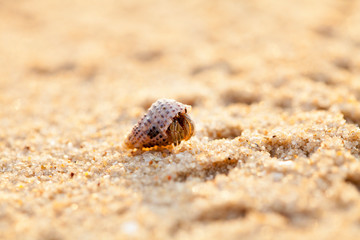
(166, 123)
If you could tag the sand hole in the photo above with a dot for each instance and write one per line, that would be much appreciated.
(325, 31)
(47, 70)
(319, 77)
(343, 63)
(284, 101)
(209, 171)
(223, 212)
(232, 96)
(192, 100)
(351, 116)
(223, 66)
(297, 219)
(148, 56)
(223, 132)
(354, 180)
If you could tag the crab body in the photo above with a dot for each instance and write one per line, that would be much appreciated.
(165, 123)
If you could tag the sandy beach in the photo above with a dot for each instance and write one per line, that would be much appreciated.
(275, 93)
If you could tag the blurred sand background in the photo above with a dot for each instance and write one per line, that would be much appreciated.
(275, 90)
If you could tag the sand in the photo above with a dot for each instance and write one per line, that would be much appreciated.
(275, 94)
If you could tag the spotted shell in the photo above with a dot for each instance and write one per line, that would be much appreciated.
(151, 129)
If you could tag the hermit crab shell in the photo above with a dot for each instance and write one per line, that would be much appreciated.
(152, 128)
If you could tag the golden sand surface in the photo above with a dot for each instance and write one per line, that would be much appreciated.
(275, 94)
